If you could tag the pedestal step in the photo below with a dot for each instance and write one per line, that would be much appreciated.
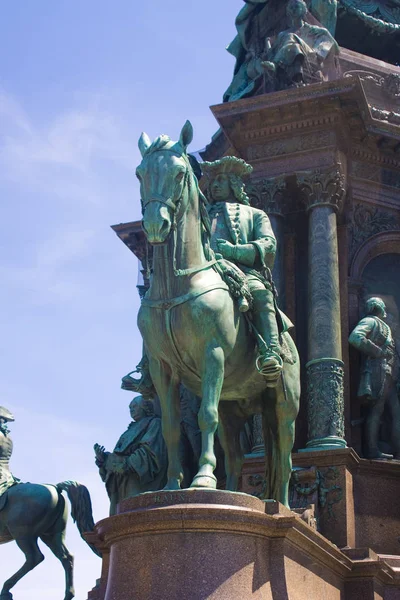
(217, 545)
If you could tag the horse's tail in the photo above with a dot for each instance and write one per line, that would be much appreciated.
(81, 508)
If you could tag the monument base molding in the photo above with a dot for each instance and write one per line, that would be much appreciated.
(212, 544)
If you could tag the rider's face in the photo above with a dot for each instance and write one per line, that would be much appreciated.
(220, 188)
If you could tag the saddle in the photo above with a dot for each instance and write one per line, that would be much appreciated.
(4, 533)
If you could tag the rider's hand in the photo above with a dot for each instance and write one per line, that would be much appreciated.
(226, 248)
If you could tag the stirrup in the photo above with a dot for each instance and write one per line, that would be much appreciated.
(269, 365)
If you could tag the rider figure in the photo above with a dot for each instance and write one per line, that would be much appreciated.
(244, 236)
(6, 447)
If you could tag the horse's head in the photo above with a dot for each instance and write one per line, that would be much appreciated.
(164, 174)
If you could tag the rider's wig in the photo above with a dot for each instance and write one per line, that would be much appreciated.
(236, 170)
(238, 189)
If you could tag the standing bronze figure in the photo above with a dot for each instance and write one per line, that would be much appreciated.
(194, 332)
(30, 511)
(379, 373)
(139, 461)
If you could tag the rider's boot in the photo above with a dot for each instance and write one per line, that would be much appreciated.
(269, 362)
(142, 385)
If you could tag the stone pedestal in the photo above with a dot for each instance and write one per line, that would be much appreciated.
(99, 590)
(206, 544)
(357, 501)
(217, 545)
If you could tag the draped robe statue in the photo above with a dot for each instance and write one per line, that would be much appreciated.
(139, 461)
(257, 21)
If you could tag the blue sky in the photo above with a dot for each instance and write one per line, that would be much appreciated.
(79, 81)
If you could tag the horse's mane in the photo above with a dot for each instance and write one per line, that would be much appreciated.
(158, 144)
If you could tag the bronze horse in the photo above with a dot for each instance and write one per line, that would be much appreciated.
(32, 511)
(194, 333)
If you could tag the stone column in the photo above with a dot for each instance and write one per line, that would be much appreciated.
(323, 194)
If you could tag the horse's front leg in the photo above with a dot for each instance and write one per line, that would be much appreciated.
(167, 387)
(212, 380)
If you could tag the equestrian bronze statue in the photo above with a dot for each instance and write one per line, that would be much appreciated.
(29, 512)
(194, 332)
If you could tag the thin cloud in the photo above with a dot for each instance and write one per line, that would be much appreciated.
(62, 154)
(49, 277)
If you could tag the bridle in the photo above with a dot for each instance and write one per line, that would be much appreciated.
(173, 202)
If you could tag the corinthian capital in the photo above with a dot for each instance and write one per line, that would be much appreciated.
(269, 194)
(323, 187)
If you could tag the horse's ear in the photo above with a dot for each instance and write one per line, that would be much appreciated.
(144, 143)
(186, 135)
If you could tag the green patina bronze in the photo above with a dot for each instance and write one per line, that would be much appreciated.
(31, 511)
(139, 461)
(370, 27)
(194, 332)
(259, 24)
(379, 375)
(300, 54)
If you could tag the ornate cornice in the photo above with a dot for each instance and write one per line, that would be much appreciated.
(289, 127)
(367, 154)
(302, 94)
(292, 144)
(389, 116)
(322, 188)
(389, 83)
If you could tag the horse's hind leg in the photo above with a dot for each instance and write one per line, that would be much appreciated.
(279, 429)
(33, 557)
(212, 380)
(56, 544)
(230, 426)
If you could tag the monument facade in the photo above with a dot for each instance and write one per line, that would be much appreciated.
(314, 109)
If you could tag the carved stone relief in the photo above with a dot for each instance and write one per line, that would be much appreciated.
(366, 221)
(325, 380)
(320, 139)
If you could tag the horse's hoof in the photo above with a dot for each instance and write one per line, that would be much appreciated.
(6, 596)
(204, 481)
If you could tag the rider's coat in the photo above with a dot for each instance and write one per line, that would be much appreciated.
(7, 479)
